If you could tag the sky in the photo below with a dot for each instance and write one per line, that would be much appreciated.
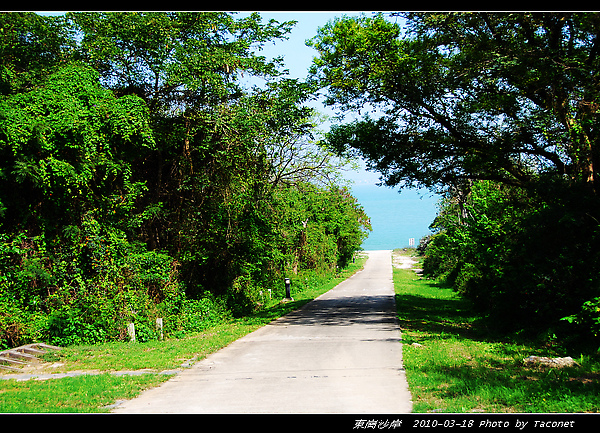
(298, 56)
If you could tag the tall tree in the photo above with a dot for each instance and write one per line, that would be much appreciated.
(30, 46)
(500, 111)
(180, 60)
(498, 96)
(186, 67)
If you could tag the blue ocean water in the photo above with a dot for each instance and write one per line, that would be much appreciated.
(395, 216)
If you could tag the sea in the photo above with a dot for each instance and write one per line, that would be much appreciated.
(399, 218)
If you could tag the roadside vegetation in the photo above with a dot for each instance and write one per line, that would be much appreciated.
(153, 361)
(454, 363)
(143, 178)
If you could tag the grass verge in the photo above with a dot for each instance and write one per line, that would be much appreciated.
(453, 366)
(79, 394)
(90, 393)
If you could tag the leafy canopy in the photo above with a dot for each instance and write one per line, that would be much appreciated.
(497, 96)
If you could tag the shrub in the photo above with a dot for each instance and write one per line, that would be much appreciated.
(525, 258)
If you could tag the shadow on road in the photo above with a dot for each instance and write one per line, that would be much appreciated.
(345, 311)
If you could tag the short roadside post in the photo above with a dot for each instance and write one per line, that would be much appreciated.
(131, 331)
(287, 289)
(159, 327)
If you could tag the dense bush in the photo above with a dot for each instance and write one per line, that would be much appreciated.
(526, 259)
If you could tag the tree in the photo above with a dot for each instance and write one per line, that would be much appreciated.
(66, 149)
(500, 112)
(68, 196)
(177, 61)
(494, 96)
(30, 46)
(525, 261)
(209, 161)
(294, 151)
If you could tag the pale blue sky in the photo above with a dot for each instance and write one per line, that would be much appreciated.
(298, 56)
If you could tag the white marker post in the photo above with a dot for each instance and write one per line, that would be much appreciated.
(131, 331)
(159, 327)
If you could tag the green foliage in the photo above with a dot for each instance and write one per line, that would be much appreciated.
(499, 112)
(526, 260)
(140, 180)
(66, 148)
(588, 317)
(30, 45)
(321, 228)
(496, 96)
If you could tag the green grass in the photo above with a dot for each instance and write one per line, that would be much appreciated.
(453, 365)
(94, 392)
(79, 394)
(457, 367)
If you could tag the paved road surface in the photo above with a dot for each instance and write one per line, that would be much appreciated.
(340, 353)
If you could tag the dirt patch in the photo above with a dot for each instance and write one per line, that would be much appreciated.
(405, 261)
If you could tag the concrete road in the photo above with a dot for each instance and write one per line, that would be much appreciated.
(339, 354)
